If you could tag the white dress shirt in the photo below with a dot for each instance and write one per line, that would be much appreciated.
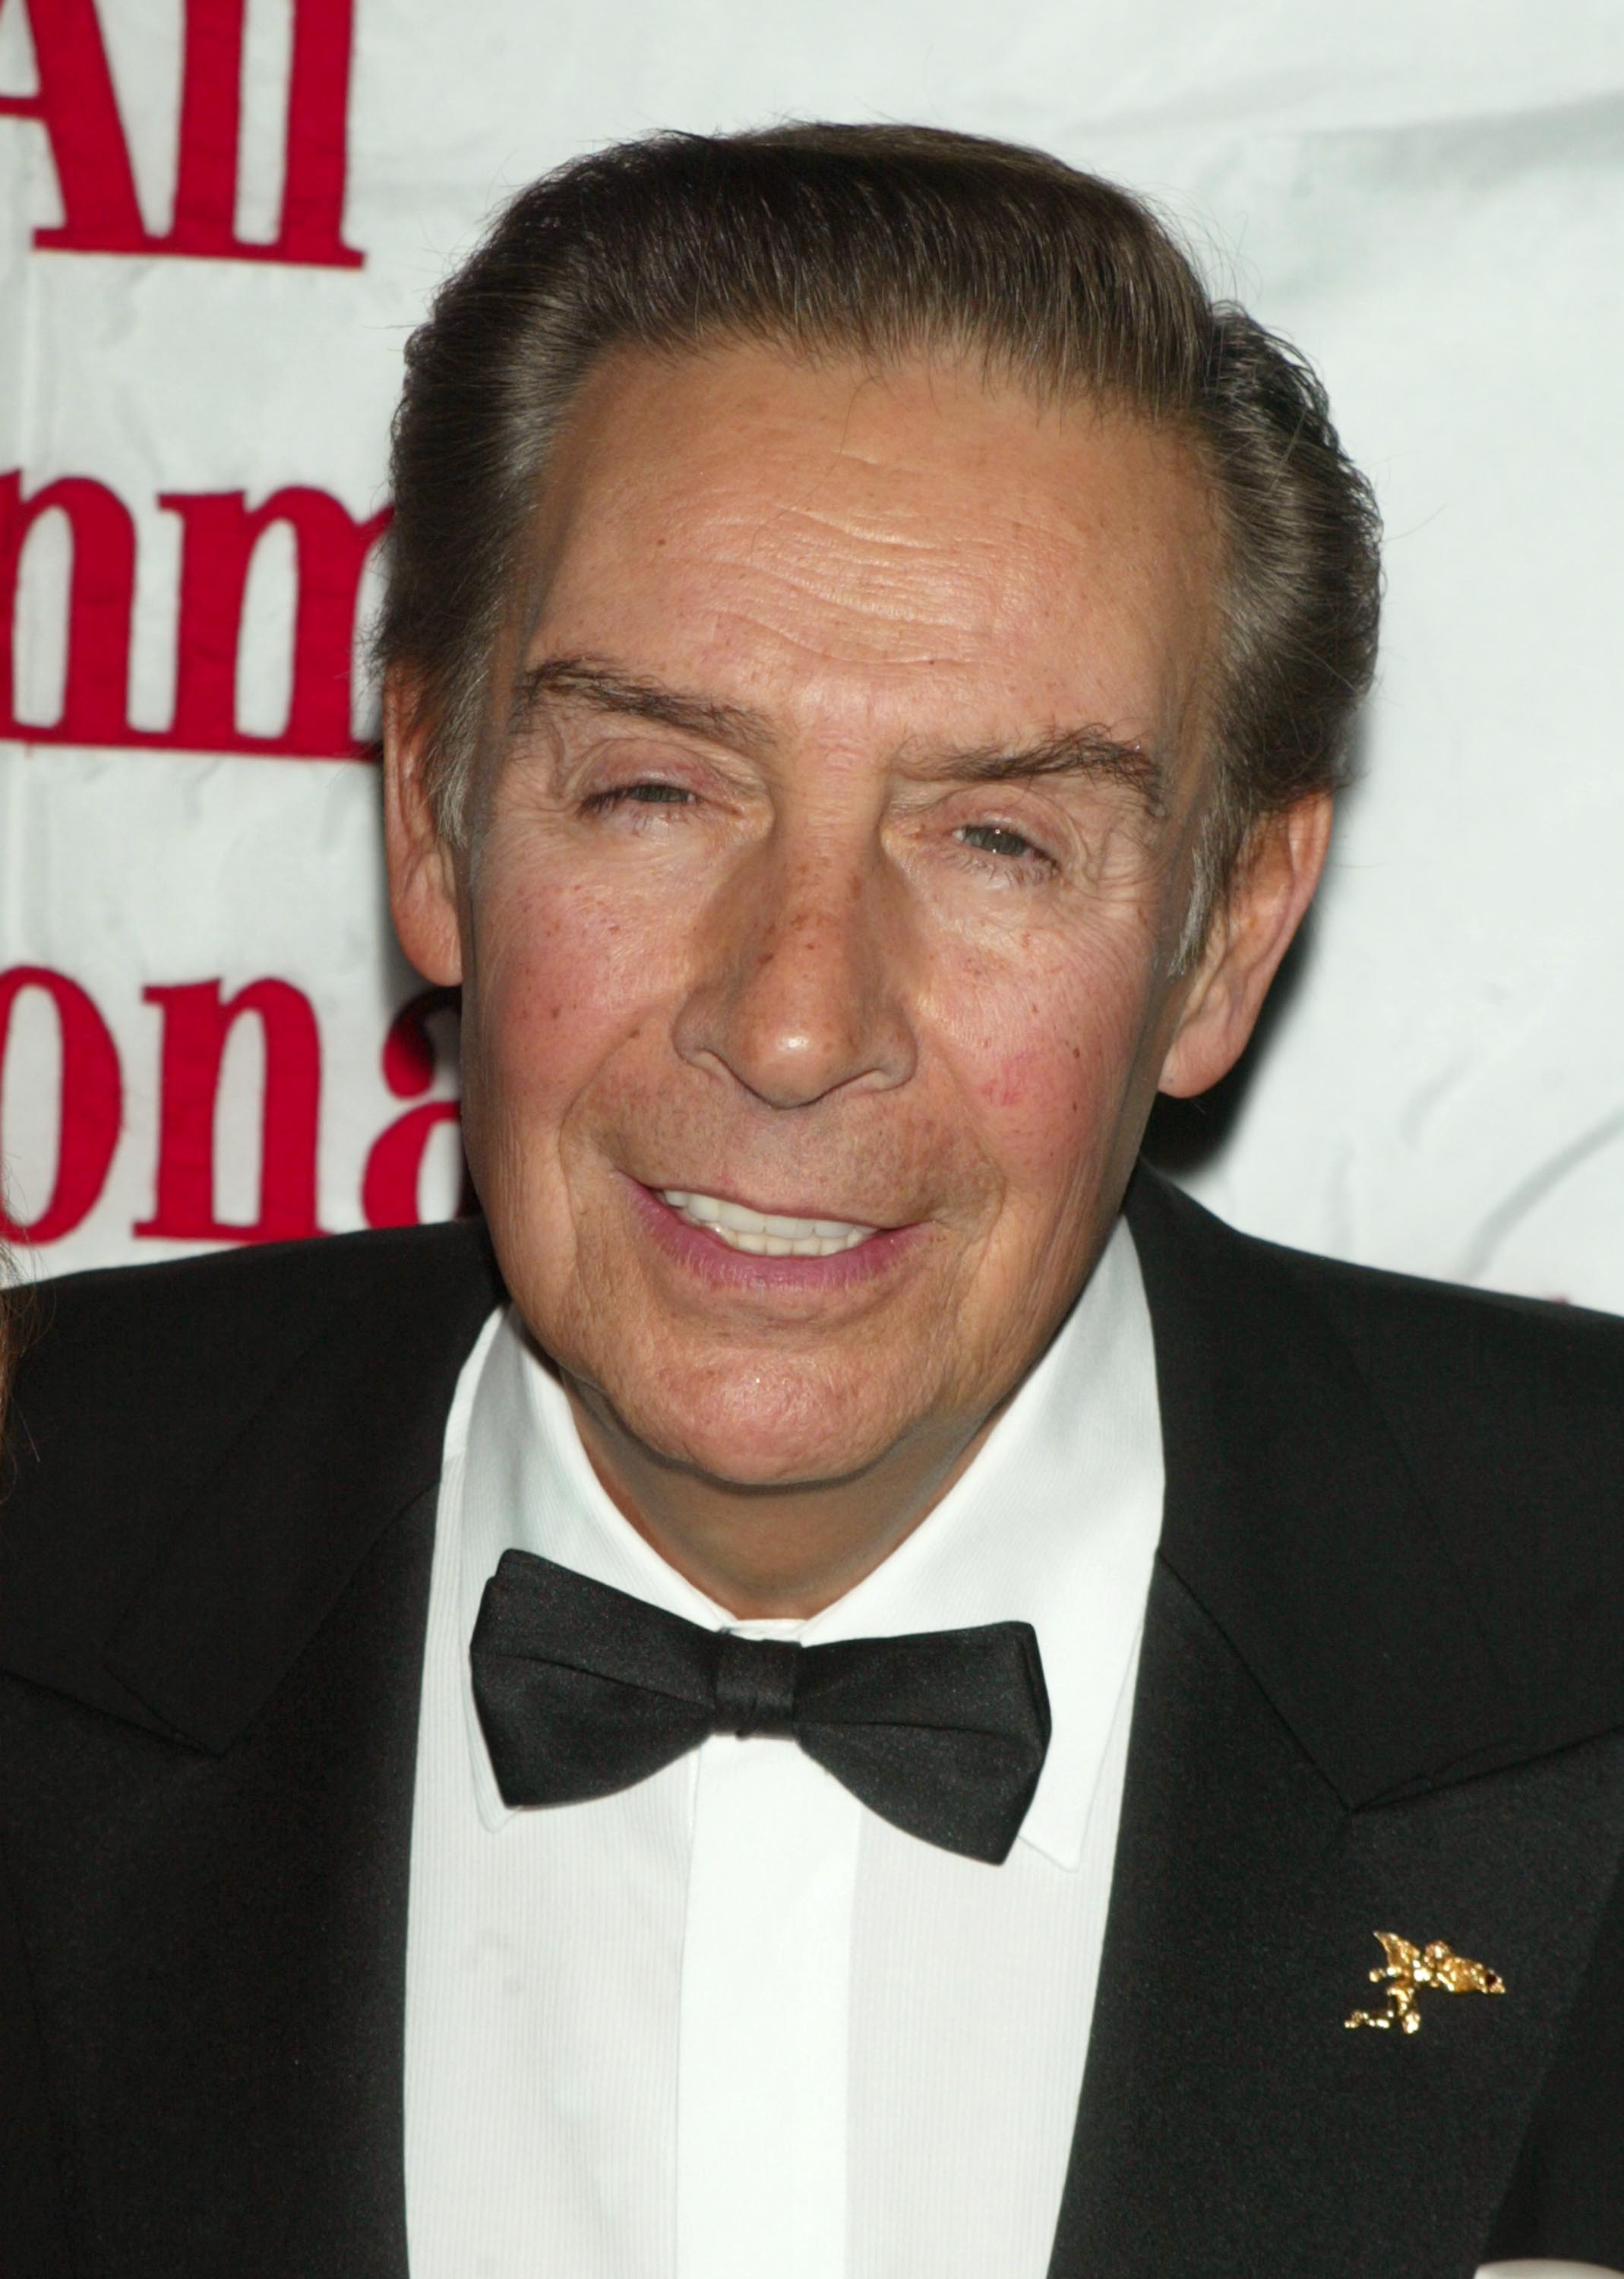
(729, 2021)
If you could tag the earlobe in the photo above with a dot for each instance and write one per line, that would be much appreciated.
(1267, 901)
(423, 898)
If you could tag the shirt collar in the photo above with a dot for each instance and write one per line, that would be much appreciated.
(1055, 1522)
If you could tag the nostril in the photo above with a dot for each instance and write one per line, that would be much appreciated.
(796, 1003)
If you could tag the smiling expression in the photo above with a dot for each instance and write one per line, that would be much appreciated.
(828, 871)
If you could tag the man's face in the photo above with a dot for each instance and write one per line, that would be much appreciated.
(829, 872)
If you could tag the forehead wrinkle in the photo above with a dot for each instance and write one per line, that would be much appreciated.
(876, 601)
(816, 548)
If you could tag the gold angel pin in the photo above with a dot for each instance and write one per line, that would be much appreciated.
(1408, 1968)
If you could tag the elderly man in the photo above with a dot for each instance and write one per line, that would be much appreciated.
(855, 1694)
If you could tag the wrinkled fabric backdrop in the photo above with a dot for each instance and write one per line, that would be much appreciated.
(219, 220)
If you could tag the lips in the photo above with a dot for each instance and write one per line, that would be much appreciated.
(765, 1234)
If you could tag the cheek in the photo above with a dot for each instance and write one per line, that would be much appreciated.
(1051, 1063)
(557, 984)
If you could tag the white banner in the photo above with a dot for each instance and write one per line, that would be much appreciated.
(219, 221)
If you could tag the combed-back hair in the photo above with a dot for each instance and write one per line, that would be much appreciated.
(882, 243)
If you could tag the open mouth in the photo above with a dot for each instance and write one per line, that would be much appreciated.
(765, 1234)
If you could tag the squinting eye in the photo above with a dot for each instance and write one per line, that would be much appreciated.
(645, 795)
(994, 839)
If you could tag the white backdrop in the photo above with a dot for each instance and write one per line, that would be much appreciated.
(204, 302)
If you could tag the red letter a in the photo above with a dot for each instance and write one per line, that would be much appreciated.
(77, 108)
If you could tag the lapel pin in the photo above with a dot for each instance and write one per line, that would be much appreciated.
(1408, 1968)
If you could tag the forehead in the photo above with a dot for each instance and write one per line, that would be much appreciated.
(817, 537)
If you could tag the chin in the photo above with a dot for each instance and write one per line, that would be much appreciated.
(752, 1428)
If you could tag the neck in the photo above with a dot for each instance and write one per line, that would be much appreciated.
(766, 1551)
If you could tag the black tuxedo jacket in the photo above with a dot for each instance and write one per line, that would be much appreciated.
(1381, 1688)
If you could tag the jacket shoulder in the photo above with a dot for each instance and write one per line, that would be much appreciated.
(1471, 1351)
(1459, 1359)
(162, 1356)
(145, 1393)
(1508, 1414)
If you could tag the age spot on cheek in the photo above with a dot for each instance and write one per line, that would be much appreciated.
(1005, 1088)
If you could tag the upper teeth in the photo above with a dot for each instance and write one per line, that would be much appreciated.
(768, 1233)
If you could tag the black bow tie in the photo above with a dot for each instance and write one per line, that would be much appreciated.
(582, 1690)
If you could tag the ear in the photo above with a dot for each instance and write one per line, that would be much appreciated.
(423, 898)
(1251, 930)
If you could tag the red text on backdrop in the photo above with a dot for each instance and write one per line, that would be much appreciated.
(220, 532)
(196, 1022)
(76, 104)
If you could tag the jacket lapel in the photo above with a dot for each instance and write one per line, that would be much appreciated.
(211, 1884)
(217, 1946)
(1231, 2126)
(1316, 1707)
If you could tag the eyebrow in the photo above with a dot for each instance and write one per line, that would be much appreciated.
(1088, 751)
(599, 686)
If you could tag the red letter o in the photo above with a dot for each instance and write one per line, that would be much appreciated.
(89, 1111)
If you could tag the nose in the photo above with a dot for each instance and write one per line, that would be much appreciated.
(800, 987)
